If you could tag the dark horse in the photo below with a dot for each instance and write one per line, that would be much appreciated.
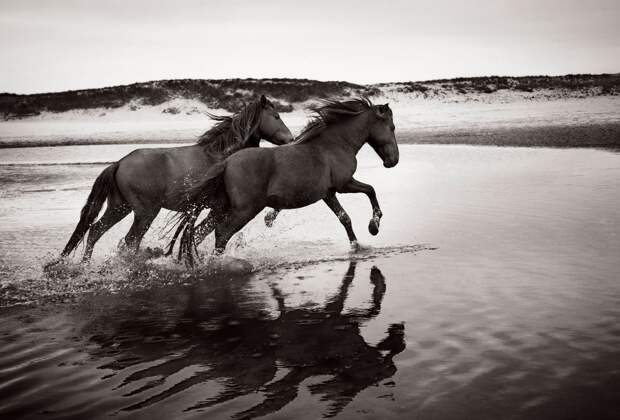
(147, 180)
(319, 164)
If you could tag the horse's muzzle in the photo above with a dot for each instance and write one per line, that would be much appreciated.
(390, 163)
(283, 137)
(389, 154)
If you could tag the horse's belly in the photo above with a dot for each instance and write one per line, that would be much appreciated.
(291, 196)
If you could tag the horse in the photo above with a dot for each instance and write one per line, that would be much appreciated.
(147, 180)
(204, 228)
(318, 164)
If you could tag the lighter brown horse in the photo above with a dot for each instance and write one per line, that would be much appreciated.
(147, 180)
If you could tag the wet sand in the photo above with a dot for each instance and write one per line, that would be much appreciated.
(490, 292)
(605, 135)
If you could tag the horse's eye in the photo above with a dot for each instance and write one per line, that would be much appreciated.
(277, 117)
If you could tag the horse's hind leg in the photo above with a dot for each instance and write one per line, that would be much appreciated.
(141, 223)
(112, 216)
(235, 221)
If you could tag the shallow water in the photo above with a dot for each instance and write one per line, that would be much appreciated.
(491, 292)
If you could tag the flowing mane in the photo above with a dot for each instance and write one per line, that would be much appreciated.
(330, 112)
(232, 132)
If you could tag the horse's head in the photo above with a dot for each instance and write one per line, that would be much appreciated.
(270, 126)
(381, 135)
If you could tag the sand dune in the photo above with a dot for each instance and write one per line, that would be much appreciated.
(469, 112)
(475, 119)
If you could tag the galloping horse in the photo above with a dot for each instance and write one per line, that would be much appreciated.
(319, 164)
(147, 180)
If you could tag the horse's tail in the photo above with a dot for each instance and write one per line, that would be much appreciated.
(198, 198)
(103, 186)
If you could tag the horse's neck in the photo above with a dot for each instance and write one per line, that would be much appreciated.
(350, 135)
(252, 141)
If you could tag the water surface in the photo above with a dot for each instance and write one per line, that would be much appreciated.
(491, 292)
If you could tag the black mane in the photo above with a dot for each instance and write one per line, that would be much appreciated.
(330, 112)
(231, 132)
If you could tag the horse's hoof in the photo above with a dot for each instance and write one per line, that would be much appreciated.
(52, 263)
(373, 227)
(154, 252)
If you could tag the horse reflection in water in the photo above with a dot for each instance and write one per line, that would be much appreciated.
(249, 351)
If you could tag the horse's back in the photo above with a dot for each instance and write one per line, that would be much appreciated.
(154, 175)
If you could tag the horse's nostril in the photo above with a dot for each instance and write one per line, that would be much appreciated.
(390, 163)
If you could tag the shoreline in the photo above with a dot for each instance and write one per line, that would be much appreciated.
(595, 135)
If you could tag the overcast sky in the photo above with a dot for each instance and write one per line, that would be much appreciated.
(71, 44)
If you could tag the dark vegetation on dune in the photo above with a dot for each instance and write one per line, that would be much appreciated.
(231, 94)
(600, 84)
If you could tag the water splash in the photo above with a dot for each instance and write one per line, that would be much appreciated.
(66, 280)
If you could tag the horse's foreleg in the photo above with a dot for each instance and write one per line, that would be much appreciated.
(335, 206)
(354, 186)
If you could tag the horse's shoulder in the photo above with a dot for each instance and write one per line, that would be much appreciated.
(253, 151)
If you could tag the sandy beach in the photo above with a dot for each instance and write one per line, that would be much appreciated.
(506, 118)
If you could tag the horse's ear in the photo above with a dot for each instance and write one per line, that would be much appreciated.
(382, 110)
(263, 100)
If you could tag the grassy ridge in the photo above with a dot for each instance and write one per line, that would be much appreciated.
(230, 94)
(602, 84)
